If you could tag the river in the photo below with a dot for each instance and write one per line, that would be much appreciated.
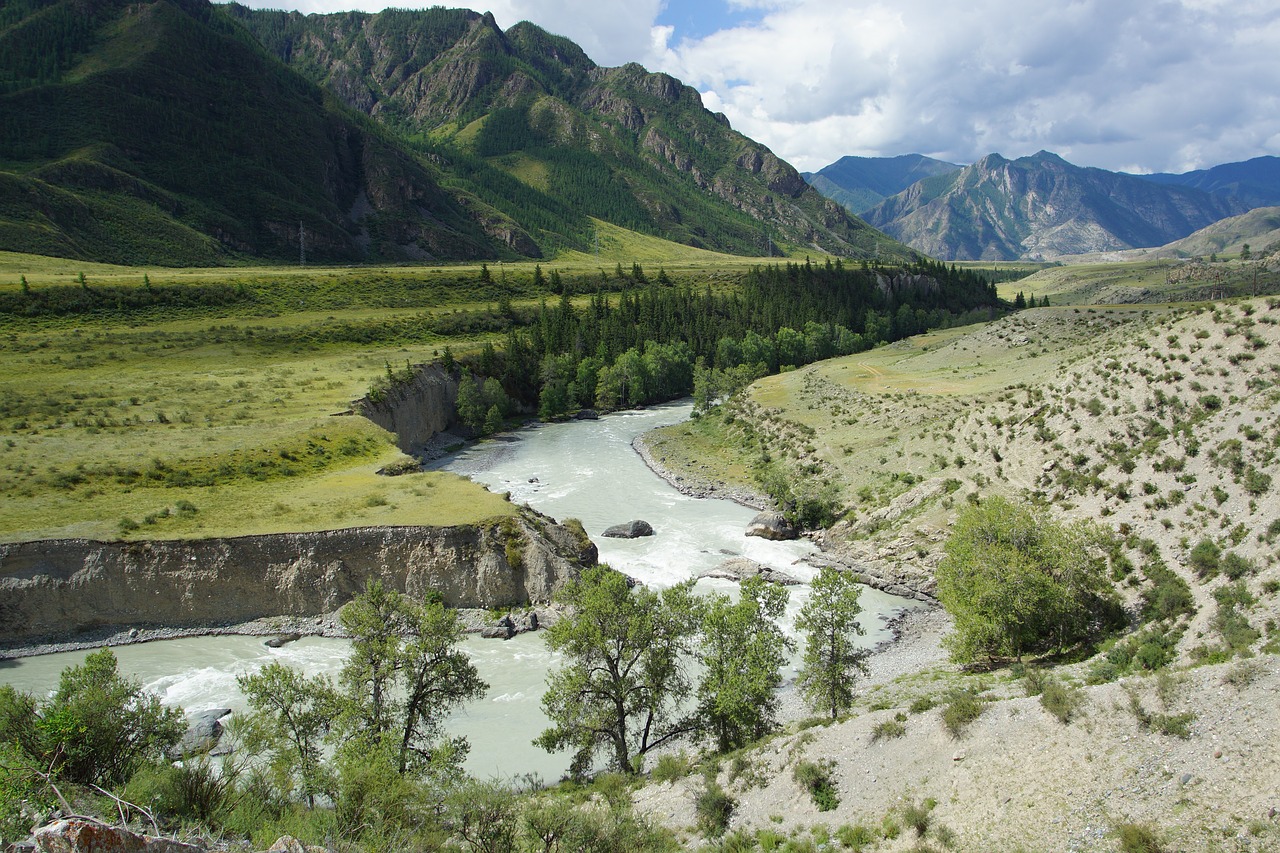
(585, 470)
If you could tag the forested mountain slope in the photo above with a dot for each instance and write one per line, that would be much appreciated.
(160, 132)
(620, 144)
(164, 132)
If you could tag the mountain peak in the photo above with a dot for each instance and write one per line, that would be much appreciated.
(1042, 208)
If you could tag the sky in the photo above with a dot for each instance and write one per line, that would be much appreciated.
(1125, 85)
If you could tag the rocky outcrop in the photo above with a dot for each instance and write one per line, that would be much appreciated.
(630, 530)
(59, 588)
(80, 834)
(415, 410)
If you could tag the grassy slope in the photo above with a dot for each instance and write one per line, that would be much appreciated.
(1146, 281)
(89, 398)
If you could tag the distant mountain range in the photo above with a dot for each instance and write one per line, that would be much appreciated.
(179, 132)
(860, 183)
(1042, 207)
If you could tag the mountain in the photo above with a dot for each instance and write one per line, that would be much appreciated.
(1042, 207)
(178, 132)
(860, 183)
(161, 132)
(1255, 182)
(620, 144)
(1259, 229)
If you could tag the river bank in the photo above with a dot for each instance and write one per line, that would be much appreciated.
(695, 486)
(286, 628)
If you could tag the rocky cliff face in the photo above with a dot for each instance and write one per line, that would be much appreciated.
(416, 410)
(446, 73)
(57, 588)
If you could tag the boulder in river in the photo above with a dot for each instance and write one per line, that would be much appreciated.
(630, 530)
(772, 525)
(282, 640)
(740, 568)
(203, 733)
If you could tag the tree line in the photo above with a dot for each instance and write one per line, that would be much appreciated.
(651, 342)
(365, 756)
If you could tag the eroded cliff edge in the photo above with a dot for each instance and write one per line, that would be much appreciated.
(61, 588)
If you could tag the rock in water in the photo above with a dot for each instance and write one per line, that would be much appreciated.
(740, 568)
(630, 530)
(202, 735)
(282, 640)
(771, 525)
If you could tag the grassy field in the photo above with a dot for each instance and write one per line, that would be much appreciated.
(176, 419)
(134, 413)
(167, 428)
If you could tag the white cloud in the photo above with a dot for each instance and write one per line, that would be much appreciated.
(1112, 83)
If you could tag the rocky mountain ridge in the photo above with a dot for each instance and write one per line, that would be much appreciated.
(176, 132)
(526, 100)
(1042, 207)
(860, 183)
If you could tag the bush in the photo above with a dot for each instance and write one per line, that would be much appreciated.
(191, 791)
(917, 816)
(670, 768)
(855, 837)
(815, 777)
(1204, 558)
(1138, 838)
(962, 708)
(922, 704)
(1235, 567)
(1061, 700)
(887, 730)
(98, 727)
(714, 808)
(1016, 583)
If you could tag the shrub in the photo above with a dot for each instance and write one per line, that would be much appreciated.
(1235, 567)
(1204, 558)
(917, 816)
(1138, 838)
(98, 727)
(888, 729)
(1016, 582)
(1061, 700)
(815, 777)
(922, 704)
(670, 768)
(962, 708)
(193, 790)
(714, 808)
(855, 837)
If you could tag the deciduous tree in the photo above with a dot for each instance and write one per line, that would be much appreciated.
(1016, 582)
(742, 648)
(625, 673)
(832, 659)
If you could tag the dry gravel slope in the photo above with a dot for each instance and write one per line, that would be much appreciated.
(1162, 422)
